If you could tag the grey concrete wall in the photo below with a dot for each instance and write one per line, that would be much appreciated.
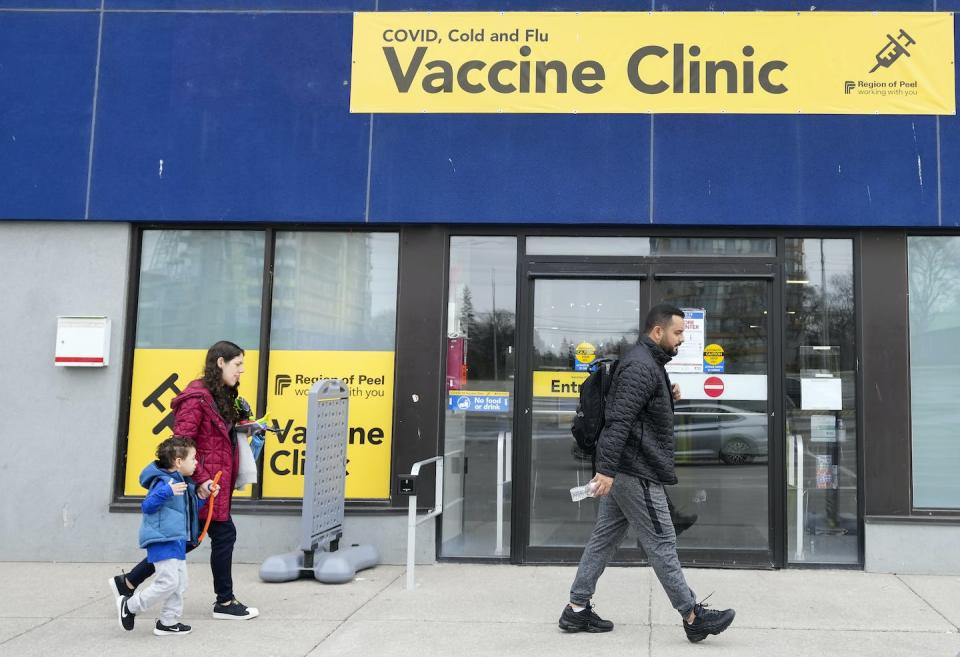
(60, 423)
(60, 430)
(912, 548)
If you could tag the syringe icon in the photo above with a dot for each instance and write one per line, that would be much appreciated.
(891, 52)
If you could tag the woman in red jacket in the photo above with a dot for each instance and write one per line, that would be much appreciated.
(207, 411)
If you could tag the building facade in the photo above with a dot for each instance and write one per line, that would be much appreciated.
(192, 172)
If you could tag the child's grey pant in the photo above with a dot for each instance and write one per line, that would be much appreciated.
(643, 504)
(167, 587)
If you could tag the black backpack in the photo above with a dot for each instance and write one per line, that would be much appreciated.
(588, 422)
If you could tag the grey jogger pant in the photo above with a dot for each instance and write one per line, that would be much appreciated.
(167, 587)
(643, 504)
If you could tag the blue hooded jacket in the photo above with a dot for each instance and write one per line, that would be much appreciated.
(170, 521)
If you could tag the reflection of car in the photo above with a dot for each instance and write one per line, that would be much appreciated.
(706, 431)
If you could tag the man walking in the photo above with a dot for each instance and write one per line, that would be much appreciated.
(634, 462)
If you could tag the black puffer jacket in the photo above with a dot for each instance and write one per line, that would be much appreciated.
(637, 437)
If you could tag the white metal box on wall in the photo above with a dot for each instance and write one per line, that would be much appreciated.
(82, 341)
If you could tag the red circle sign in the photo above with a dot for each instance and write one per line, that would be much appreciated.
(713, 386)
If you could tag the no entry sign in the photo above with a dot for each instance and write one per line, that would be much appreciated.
(713, 386)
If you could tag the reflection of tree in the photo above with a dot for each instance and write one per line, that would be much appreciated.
(934, 275)
(842, 320)
(819, 315)
(564, 357)
(491, 328)
(489, 337)
(734, 319)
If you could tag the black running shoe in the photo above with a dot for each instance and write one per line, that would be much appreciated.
(234, 610)
(118, 586)
(124, 615)
(163, 630)
(584, 621)
(707, 621)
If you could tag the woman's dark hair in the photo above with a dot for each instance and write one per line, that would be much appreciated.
(173, 448)
(225, 396)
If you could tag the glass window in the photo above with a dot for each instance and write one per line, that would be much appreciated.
(589, 246)
(196, 287)
(934, 270)
(651, 246)
(712, 246)
(334, 316)
(820, 386)
(480, 396)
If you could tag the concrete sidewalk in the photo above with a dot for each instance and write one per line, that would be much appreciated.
(465, 610)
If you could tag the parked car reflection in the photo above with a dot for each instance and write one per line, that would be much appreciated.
(706, 432)
(711, 432)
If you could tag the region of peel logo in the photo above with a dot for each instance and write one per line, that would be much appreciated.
(849, 86)
(280, 383)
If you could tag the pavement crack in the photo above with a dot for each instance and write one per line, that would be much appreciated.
(27, 631)
(354, 613)
(49, 620)
(928, 603)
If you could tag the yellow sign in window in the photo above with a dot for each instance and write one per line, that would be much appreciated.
(558, 384)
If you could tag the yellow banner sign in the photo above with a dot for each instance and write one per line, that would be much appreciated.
(681, 62)
(369, 376)
(558, 384)
(159, 375)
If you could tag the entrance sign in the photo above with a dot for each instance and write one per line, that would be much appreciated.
(558, 383)
(652, 62)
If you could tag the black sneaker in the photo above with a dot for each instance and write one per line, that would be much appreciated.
(707, 621)
(124, 615)
(583, 621)
(163, 630)
(234, 610)
(118, 586)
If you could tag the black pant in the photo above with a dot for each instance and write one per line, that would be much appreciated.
(223, 536)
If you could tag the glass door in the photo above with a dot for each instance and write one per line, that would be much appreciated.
(723, 422)
(575, 321)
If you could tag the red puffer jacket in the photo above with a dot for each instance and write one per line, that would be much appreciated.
(196, 416)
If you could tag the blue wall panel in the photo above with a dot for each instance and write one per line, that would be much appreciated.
(812, 170)
(245, 5)
(249, 113)
(47, 64)
(520, 168)
(515, 5)
(49, 4)
(950, 143)
(794, 5)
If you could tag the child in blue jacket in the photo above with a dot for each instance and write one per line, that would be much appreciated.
(170, 523)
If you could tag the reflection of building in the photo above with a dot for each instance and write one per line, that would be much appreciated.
(322, 288)
(182, 275)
